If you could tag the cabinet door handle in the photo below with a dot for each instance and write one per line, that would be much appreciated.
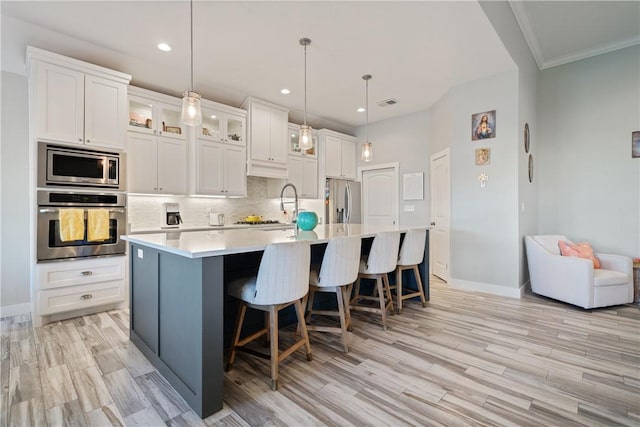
(88, 141)
(155, 188)
(161, 188)
(87, 273)
(86, 296)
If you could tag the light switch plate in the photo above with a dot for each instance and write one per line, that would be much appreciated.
(140, 253)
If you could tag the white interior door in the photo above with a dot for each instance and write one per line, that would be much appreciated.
(440, 214)
(380, 196)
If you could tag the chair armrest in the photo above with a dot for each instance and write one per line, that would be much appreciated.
(621, 263)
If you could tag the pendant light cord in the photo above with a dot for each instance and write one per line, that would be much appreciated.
(367, 109)
(305, 85)
(191, 4)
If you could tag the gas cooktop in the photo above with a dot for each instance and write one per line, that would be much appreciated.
(262, 222)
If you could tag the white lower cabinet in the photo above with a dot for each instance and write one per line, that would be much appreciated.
(156, 164)
(303, 173)
(221, 169)
(74, 285)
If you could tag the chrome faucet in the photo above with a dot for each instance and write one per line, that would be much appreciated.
(294, 218)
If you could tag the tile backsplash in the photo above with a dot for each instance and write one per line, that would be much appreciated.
(145, 212)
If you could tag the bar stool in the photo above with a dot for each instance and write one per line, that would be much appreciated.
(382, 260)
(411, 254)
(282, 280)
(338, 271)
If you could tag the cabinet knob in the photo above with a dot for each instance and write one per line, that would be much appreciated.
(155, 131)
(160, 132)
(80, 139)
(155, 188)
(88, 141)
(86, 296)
(161, 188)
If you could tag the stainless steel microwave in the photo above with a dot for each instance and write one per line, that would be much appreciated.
(66, 166)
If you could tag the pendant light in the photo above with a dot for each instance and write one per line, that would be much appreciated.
(306, 139)
(191, 111)
(367, 148)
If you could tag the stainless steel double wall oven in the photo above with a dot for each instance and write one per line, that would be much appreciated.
(71, 177)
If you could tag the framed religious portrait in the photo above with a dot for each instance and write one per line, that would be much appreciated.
(483, 125)
(482, 156)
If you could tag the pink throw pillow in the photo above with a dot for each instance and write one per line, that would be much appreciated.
(580, 250)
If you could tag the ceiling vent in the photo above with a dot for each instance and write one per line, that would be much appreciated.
(387, 102)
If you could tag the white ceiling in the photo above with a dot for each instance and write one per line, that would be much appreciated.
(416, 51)
(559, 32)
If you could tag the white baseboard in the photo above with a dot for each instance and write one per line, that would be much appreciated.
(487, 288)
(12, 310)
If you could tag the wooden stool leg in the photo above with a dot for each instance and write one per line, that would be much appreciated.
(273, 329)
(309, 305)
(420, 288)
(383, 307)
(303, 328)
(343, 319)
(354, 300)
(347, 296)
(236, 335)
(399, 289)
(266, 326)
(387, 290)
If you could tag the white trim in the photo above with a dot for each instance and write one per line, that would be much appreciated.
(525, 26)
(522, 18)
(442, 153)
(588, 53)
(395, 165)
(487, 288)
(15, 309)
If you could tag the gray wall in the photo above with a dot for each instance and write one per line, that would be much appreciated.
(484, 221)
(505, 24)
(14, 228)
(403, 139)
(589, 184)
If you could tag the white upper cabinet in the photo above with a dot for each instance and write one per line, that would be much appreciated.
(157, 144)
(221, 169)
(220, 126)
(338, 155)
(267, 142)
(303, 173)
(75, 102)
(294, 142)
(156, 114)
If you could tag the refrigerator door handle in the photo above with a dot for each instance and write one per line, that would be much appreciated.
(347, 219)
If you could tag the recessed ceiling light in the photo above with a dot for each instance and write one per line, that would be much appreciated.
(164, 47)
(213, 116)
(361, 110)
(285, 91)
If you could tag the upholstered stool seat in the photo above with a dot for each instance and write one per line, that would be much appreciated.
(338, 271)
(411, 255)
(381, 260)
(282, 280)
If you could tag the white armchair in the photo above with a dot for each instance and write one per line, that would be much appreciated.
(574, 280)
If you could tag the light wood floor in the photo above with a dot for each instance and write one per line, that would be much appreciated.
(466, 359)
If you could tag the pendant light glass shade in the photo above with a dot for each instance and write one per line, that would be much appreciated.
(191, 111)
(367, 148)
(306, 139)
(367, 152)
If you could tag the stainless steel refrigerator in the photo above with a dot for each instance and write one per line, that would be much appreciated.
(342, 201)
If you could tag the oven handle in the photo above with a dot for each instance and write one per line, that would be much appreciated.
(56, 210)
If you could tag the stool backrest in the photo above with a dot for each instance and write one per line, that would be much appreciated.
(340, 262)
(383, 256)
(412, 250)
(283, 275)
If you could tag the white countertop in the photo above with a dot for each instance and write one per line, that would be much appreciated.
(208, 227)
(200, 244)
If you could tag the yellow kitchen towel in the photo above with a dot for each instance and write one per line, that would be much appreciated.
(71, 224)
(97, 225)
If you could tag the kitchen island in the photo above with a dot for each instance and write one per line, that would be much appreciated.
(177, 297)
